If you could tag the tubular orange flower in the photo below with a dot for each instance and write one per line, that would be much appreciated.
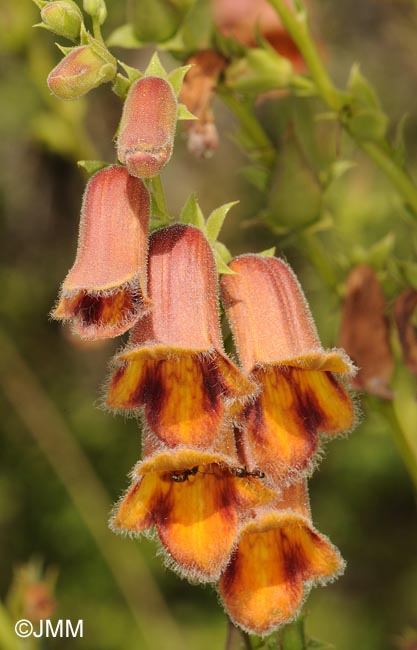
(279, 348)
(105, 291)
(175, 364)
(279, 557)
(148, 126)
(195, 502)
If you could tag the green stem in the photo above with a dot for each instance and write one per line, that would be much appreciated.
(236, 638)
(158, 196)
(398, 178)
(404, 444)
(8, 639)
(263, 149)
(296, 24)
(292, 637)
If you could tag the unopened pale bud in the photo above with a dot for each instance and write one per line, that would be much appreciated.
(63, 18)
(83, 69)
(96, 8)
(147, 127)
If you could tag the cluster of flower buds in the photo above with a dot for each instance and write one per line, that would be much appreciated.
(226, 447)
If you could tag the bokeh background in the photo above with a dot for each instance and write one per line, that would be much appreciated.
(64, 461)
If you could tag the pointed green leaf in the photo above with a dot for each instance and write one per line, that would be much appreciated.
(92, 166)
(361, 90)
(125, 37)
(155, 67)
(132, 73)
(184, 113)
(176, 77)
(192, 214)
(216, 219)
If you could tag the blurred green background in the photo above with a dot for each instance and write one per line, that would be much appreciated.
(59, 451)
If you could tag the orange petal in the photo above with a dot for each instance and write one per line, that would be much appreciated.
(147, 127)
(262, 587)
(183, 392)
(102, 315)
(283, 422)
(184, 292)
(105, 290)
(196, 518)
(268, 312)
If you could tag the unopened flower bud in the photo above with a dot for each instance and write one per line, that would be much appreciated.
(96, 8)
(147, 127)
(63, 18)
(156, 21)
(83, 69)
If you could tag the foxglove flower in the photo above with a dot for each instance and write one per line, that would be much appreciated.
(104, 293)
(279, 349)
(147, 127)
(196, 503)
(279, 557)
(175, 365)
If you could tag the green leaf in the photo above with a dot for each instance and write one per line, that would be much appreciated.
(92, 166)
(176, 77)
(185, 114)
(155, 67)
(257, 176)
(192, 214)
(124, 36)
(216, 219)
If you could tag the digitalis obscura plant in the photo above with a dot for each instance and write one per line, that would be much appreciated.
(227, 446)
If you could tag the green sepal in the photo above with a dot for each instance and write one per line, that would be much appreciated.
(215, 221)
(192, 214)
(92, 166)
(222, 256)
(269, 252)
(360, 88)
(155, 68)
(124, 36)
(185, 114)
(63, 49)
(176, 78)
(40, 4)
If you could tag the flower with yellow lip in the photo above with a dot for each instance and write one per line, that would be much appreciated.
(279, 557)
(196, 504)
(300, 392)
(175, 364)
(104, 293)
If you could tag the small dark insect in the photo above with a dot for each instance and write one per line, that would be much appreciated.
(242, 472)
(181, 477)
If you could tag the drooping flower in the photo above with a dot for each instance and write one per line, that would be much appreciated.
(104, 293)
(195, 502)
(300, 394)
(81, 70)
(147, 127)
(175, 364)
(279, 557)
(197, 93)
(364, 332)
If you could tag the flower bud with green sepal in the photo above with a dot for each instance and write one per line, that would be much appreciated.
(62, 17)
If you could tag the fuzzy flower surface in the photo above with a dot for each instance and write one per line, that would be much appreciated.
(175, 366)
(104, 293)
(279, 557)
(147, 128)
(300, 393)
(195, 502)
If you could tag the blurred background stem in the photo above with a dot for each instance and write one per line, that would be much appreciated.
(155, 625)
(296, 24)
